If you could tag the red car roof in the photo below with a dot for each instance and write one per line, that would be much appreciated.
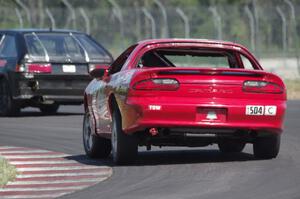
(181, 40)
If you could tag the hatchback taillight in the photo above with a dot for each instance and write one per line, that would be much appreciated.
(97, 66)
(262, 87)
(159, 84)
(34, 68)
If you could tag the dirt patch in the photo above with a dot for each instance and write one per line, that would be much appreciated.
(293, 88)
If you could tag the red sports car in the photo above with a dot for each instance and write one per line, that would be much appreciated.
(183, 92)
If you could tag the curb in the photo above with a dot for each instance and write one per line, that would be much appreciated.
(48, 174)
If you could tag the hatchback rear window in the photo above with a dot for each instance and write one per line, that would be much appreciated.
(8, 46)
(64, 47)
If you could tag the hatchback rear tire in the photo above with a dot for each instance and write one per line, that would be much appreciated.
(8, 106)
(49, 108)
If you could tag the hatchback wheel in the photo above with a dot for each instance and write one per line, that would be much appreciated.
(94, 146)
(266, 147)
(124, 147)
(8, 107)
(49, 108)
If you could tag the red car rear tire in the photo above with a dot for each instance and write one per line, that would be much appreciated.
(266, 147)
(124, 147)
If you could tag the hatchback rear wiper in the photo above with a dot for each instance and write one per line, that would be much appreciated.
(2, 39)
(44, 49)
(86, 55)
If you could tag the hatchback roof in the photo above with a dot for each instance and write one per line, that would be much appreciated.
(23, 31)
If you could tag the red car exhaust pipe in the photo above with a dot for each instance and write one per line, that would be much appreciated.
(153, 131)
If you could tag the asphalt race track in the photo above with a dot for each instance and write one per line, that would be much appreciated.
(169, 173)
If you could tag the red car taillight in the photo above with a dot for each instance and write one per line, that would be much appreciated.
(157, 84)
(262, 87)
(34, 68)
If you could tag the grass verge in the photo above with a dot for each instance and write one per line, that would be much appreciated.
(7, 172)
(293, 88)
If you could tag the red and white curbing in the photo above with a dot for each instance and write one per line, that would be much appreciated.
(47, 174)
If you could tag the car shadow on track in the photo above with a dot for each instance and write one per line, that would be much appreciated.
(189, 157)
(40, 114)
(148, 158)
(64, 110)
(83, 159)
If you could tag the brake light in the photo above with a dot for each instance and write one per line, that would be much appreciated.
(3, 62)
(34, 68)
(157, 84)
(262, 87)
(97, 66)
(39, 68)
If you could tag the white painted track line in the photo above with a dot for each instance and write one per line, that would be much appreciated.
(9, 147)
(35, 156)
(57, 181)
(42, 162)
(62, 174)
(43, 189)
(23, 152)
(54, 195)
(57, 168)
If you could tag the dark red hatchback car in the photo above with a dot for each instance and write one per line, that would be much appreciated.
(178, 92)
(46, 68)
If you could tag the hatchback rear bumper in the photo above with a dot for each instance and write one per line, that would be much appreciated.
(62, 89)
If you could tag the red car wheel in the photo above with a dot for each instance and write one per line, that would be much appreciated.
(95, 147)
(266, 147)
(124, 147)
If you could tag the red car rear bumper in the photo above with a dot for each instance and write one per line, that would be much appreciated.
(154, 112)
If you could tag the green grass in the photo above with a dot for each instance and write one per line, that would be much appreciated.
(7, 172)
(293, 88)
